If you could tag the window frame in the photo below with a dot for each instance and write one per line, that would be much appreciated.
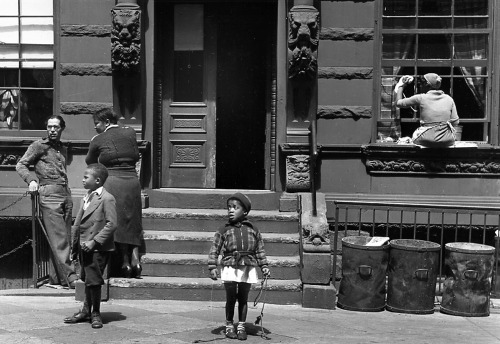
(492, 91)
(36, 133)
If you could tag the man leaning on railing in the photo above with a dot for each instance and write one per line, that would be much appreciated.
(48, 156)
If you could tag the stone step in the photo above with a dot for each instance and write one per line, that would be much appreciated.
(275, 244)
(196, 265)
(209, 220)
(199, 289)
(209, 198)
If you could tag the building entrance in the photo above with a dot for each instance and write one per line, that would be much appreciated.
(216, 80)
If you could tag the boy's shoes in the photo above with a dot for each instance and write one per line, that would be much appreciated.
(230, 333)
(242, 334)
(78, 317)
(96, 320)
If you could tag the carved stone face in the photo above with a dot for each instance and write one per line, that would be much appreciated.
(126, 26)
(303, 41)
(126, 39)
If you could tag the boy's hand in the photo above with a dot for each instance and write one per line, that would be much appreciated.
(266, 272)
(88, 246)
(213, 274)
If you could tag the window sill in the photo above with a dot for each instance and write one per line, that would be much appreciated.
(391, 158)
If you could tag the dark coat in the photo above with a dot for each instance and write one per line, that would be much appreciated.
(97, 222)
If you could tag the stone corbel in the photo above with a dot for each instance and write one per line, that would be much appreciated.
(126, 36)
(298, 173)
(303, 41)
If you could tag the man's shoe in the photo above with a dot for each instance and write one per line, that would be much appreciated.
(242, 334)
(72, 284)
(78, 317)
(230, 333)
(96, 320)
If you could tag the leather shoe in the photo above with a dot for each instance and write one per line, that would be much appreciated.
(126, 271)
(72, 285)
(242, 334)
(136, 271)
(96, 320)
(78, 317)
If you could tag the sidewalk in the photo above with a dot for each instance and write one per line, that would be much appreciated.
(36, 317)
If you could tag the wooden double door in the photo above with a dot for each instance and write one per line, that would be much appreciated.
(215, 62)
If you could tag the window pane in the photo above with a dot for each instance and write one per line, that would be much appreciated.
(36, 107)
(471, 46)
(9, 30)
(8, 77)
(42, 78)
(434, 8)
(434, 46)
(434, 23)
(188, 27)
(9, 8)
(471, 7)
(469, 94)
(36, 7)
(33, 52)
(471, 23)
(399, 7)
(398, 46)
(188, 53)
(37, 30)
(9, 52)
(188, 76)
(399, 23)
(472, 131)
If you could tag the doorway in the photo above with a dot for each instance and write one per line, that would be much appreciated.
(217, 133)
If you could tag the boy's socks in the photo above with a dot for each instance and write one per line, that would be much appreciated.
(95, 293)
(241, 326)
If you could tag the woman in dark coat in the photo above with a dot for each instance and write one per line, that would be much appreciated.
(116, 148)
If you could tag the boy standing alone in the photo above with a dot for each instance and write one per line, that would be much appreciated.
(92, 241)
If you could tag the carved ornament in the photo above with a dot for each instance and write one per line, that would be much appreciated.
(126, 39)
(298, 176)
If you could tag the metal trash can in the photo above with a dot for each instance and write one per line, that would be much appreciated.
(467, 287)
(362, 287)
(412, 275)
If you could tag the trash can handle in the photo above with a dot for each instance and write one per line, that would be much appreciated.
(471, 274)
(422, 274)
(365, 270)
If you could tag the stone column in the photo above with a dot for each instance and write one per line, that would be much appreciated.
(126, 62)
(303, 41)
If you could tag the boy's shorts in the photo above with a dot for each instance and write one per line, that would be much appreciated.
(93, 265)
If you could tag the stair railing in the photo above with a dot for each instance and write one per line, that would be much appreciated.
(40, 245)
(313, 161)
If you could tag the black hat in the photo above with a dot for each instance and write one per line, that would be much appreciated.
(244, 200)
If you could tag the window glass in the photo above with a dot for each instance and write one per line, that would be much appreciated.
(26, 64)
(188, 53)
(449, 37)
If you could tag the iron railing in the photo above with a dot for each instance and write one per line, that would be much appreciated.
(40, 244)
(441, 224)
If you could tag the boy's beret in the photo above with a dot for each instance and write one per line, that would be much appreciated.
(244, 200)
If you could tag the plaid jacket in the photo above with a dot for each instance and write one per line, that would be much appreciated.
(241, 237)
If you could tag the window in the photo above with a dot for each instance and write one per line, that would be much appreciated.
(449, 37)
(26, 64)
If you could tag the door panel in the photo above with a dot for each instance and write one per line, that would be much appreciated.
(188, 153)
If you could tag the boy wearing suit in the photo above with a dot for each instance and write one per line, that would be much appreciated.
(92, 241)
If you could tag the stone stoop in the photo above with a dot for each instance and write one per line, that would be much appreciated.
(175, 256)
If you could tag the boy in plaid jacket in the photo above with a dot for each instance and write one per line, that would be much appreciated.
(242, 248)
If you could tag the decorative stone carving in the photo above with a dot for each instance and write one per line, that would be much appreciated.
(126, 37)
(303, 41)
(298, 176)
(406, 165)
(9, 159)
(315, 228)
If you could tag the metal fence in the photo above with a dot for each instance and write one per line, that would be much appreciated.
(40, 245)
(441, 224)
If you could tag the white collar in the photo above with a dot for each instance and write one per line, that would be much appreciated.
(97, 191)
(111, 126)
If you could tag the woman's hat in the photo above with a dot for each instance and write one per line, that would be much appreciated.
(244, 200)
(433, 79)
